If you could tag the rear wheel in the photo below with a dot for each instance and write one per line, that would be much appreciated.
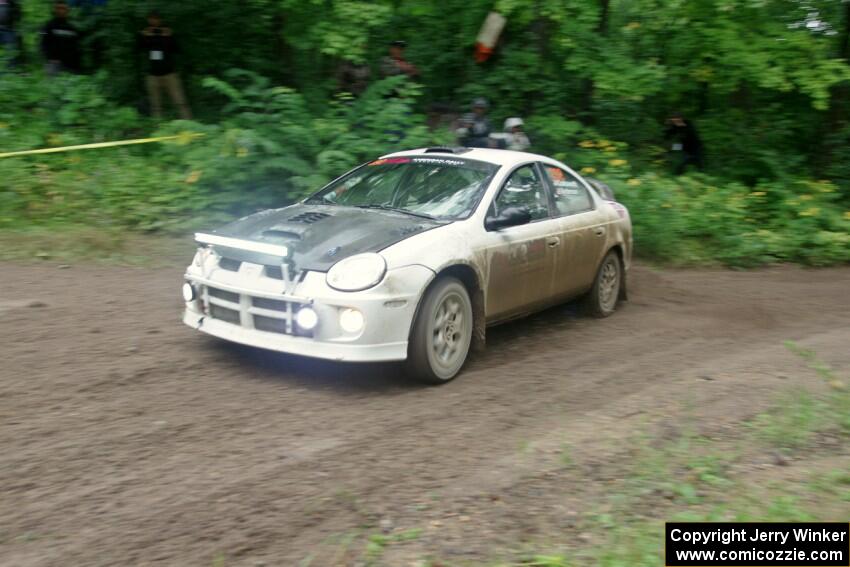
(441, 333)
(603, 297)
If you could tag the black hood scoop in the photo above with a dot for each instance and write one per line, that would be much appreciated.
(309, 217)
(319, 236)
(406, 230)
(279, 235)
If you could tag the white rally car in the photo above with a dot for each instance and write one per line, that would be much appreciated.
(411, 257)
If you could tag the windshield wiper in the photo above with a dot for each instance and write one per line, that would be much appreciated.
(397, 210)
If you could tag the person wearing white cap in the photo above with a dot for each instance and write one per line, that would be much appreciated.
(515, 137)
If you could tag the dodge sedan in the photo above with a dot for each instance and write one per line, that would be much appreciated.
(411, 257)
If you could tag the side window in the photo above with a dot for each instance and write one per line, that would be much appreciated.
(571, 197)
(524, 188)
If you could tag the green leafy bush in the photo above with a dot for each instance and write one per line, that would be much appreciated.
(274, 145)
(270, 148)
(700, 219)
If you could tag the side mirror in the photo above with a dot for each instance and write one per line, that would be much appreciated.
(510, 216)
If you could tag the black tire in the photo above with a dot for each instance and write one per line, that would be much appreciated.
(603, 297)
(442, 332)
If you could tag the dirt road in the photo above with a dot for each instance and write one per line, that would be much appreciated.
(128, 439)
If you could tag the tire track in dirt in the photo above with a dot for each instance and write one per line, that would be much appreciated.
(159, 444)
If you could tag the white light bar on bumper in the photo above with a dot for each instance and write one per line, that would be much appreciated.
(239, 244)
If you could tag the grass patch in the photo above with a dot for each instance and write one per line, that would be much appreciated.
(80, 243)
(692, 478)
(377, 543)
(791, 424)
(800, 415)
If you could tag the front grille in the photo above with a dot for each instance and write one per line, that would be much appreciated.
(273, 304)
(278, 317)
(269, 324)
(225, 295)
(224, 314)
(229, 264)
(274, 272)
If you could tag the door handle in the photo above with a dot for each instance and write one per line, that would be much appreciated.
(553, 241)
(599, 231)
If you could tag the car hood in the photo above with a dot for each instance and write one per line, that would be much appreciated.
(320, 236)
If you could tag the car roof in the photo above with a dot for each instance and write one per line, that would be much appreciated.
(499, 157)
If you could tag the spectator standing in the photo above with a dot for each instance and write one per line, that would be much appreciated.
(475, 128)
(686, 146)
(515, 137)
(353, 77)
(159, 48)
(395, 64)
(10, 15)
(90, 17)
(60, 42)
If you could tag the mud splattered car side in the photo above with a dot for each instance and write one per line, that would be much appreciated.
(411, 257)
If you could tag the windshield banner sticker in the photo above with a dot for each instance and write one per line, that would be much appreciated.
(438, 161)
(389, 161)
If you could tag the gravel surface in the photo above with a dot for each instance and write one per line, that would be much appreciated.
(129, 439)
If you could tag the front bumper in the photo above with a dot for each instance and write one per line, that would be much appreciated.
(234, 306)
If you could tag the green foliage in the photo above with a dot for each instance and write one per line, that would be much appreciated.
(766, 84)
(792, 424)
(700, 218)
(836, 409)
(37, 112)
(273, 148)
(269, 149)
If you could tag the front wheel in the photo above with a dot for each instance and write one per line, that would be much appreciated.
(603, 297)
(442, 332)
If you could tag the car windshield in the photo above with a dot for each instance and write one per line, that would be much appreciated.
(436, 187)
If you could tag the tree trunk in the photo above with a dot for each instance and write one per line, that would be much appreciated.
(588, 87)
(836, 116)
(603, 17)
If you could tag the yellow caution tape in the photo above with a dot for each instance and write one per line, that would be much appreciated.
(182, 139)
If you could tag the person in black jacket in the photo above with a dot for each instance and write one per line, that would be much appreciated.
(159, 48)
(475, 128)
(686, 146)
(10, 15)
(60, 42)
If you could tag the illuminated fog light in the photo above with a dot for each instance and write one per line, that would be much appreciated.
(188, 292)
(307, 318)
(351, 320)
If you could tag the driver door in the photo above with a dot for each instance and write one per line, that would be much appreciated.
(522, 259)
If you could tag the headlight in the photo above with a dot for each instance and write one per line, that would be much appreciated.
(357, 272)
(188, 292)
